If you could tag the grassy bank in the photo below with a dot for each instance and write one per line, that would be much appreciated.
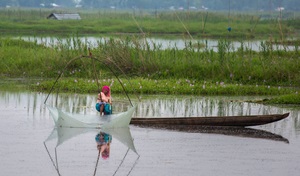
(244, 66)
(163, 86)
(196, 24)
(195, 69)
(153, 71)
(270, 70)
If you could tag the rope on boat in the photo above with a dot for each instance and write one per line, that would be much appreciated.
(184, 26)
(121, 162)
(55, 166)
(116, 65)
(94, 67)
(58, 77)
(134, 164)
(95, 59)
(97, 164)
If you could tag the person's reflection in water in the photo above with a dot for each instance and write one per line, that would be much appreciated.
(103, 141)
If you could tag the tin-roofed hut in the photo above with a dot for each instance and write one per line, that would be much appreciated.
(64, 16)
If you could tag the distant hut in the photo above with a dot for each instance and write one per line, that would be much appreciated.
(64, 16)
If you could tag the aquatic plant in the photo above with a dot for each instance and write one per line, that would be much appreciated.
(292, 99)
(163, 86)
(137, 58)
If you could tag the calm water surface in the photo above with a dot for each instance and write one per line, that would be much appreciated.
(210, 44)
(31, 146)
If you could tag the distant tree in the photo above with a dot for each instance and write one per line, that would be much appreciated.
(238, 5)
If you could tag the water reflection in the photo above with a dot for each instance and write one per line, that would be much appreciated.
(202, 106)
(152, 106)
(103, 140)
(230, 131)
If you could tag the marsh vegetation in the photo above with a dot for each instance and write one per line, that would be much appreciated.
(195, 69)
(149, 22)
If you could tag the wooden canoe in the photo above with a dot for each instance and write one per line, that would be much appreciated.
(242, 121)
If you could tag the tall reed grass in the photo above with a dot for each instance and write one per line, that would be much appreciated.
(136, 58)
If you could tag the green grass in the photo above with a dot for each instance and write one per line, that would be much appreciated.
(164, 86)
(193, 70)
(266, 67)
(292, 99)
(198, 24)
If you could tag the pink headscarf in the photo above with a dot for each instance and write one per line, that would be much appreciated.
(107, 89)
(105, 154)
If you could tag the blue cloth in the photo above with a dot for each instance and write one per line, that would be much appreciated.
(98, 106)
(107, 108)
(106, 138)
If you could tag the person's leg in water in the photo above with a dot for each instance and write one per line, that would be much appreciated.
(102, 109)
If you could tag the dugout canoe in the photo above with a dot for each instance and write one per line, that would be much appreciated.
(241, 121)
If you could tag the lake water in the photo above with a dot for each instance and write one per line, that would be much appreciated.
(31, 146)
(210, 44)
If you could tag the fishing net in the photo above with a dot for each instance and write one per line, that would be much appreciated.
(72, 118)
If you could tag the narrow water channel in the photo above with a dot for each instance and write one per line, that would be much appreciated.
(160, 43)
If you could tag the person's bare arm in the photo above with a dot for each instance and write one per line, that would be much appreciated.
(105, 98)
